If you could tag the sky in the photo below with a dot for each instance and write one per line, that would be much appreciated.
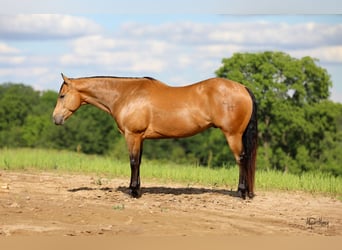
(175, 45)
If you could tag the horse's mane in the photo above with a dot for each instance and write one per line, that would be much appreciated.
(118, 77)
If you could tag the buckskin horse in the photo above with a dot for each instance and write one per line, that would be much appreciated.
(145, 108)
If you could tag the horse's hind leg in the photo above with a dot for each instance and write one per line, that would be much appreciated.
(236, 146)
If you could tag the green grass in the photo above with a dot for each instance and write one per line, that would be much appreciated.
(72, 162)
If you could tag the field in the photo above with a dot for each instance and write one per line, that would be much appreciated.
(71, 162)
(61, 193)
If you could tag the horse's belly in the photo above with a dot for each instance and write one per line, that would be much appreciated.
(176, 126)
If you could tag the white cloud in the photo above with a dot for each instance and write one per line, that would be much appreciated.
(100, 43)
(45, 26)
(10, 55)
(24, 71)
(215, 41)
(11, 60)
(281, 34)
(193, 51)
(260, 33)
(93, 44)
(331, 54)
(117, 54)
(6, 49)
(220, 50)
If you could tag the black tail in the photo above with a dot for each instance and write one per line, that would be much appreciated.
(250, 144)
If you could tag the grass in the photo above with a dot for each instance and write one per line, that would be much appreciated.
(66, 161)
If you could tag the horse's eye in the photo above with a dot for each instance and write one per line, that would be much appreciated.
(61, 96)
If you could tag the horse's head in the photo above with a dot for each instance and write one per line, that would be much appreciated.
(69, 100)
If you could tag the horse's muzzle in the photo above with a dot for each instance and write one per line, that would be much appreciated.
(58, 119)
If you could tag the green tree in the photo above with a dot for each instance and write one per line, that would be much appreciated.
(38, 127)
(16, 103)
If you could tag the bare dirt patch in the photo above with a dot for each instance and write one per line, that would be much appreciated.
(62, 204)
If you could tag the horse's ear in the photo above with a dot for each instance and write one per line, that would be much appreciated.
(66, 79)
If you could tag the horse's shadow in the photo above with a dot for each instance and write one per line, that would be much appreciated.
(179, 191)
(162, 190)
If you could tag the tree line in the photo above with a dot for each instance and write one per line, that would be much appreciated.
(300, 129)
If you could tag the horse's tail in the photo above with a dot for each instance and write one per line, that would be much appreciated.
(250, 144)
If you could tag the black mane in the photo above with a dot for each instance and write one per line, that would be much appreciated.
(118, 77)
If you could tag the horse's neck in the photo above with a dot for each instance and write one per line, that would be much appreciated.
(102, 93)
(98, 93)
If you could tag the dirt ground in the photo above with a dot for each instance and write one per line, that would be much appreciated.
(61, 204)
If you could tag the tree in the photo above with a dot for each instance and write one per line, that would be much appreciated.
(294, 112)
(16, 102)
(38, 126)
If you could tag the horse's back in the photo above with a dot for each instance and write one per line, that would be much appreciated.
(200, 89)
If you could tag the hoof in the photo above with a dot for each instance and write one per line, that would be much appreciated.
(242, 191)
(251, 195)
(242, 194)
(135, 193)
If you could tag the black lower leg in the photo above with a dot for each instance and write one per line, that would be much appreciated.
(135, 176)
(135, 189)
(135, 192)
(242, 188)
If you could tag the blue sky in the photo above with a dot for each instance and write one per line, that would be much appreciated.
(176, 48)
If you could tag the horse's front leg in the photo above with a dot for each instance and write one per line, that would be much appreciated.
(135, 175)
(134, 143)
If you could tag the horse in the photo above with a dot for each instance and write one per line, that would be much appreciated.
(145, 108)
